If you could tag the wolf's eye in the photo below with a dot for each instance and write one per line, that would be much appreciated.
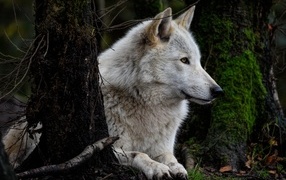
(185, 60)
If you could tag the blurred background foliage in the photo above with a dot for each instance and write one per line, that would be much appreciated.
(17, 30)
(16, 26)
(126, 14)
(16, 35)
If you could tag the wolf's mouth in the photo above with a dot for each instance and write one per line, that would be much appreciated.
(196, 100)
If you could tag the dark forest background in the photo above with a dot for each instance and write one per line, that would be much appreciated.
(243, 48)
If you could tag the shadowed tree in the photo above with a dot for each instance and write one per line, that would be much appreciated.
(234, 42)
(66, 97)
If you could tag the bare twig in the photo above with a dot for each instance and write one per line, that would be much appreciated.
(85, 155)
(209, 55)
(22, 51)
(130, 23)
(17, 83)
(110, 9)
(16, 20)
(11, 58)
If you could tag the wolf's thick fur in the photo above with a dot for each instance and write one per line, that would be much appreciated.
(19, 143)
(148, 77)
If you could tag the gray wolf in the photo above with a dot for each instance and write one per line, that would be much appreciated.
(148, 78)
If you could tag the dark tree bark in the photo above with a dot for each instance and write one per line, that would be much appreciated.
(66, 97)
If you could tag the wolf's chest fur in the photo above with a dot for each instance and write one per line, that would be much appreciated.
(141, 125)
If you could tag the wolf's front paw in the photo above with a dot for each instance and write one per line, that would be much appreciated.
(157, 171)
(178, 171)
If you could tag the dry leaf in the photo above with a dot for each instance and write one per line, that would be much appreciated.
(279, 159)
(248, 163)
(273, 142)
(242, 172)
(270, 160)
(225, 169)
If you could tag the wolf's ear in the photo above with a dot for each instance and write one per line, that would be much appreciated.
(160, 27)
(186, 18)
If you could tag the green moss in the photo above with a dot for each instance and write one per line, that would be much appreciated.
(229, 51)
(215, 37)
(241, 80)
(196, 174)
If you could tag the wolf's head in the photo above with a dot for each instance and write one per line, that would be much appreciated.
(160, 57)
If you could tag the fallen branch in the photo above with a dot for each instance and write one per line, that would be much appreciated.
(85, 155)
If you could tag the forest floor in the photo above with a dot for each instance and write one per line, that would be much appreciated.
(208, 173)
(260, 170)
(120, 172)
(204, 173)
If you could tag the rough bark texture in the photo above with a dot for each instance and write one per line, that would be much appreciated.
(66, 97)
(239, 74)
(232, 37)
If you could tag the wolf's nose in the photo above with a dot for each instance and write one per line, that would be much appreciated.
(217, 92)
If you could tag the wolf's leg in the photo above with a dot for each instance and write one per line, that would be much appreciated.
(141, 161)
(176, 168)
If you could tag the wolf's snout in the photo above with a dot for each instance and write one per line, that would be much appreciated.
(217, 92)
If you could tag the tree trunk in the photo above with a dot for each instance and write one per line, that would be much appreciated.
(66, 96)
(232, 38)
